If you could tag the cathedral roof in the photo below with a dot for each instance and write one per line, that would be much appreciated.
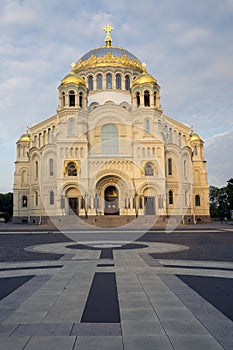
(112, 56)
(108, 56)
(102, 51)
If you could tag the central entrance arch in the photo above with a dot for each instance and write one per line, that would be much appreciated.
(111, 201)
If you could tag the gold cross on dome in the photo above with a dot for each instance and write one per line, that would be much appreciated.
(108, 39)
(108, 29)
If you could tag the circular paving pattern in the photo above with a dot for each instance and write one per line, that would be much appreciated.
(66, 248)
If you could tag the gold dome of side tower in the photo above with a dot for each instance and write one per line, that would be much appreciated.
(73, 78)
(195, 137)
(25, 137)
(144, 77)
(145, 90)
(72, 91)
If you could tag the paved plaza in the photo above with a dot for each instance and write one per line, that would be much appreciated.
(107, 290)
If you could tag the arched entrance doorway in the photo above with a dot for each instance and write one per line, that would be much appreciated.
(72, 195)
(149, 195)
(111, 201)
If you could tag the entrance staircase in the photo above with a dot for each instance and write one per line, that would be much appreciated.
(105, 221)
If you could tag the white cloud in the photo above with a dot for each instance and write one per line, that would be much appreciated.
(14, 13)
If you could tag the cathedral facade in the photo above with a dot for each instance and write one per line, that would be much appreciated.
(110, 149)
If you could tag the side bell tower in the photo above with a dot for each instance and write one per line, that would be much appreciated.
(200, 183)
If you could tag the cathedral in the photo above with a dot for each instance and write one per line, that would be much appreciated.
(110, 150)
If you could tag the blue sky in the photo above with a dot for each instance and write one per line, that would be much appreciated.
(187, 46)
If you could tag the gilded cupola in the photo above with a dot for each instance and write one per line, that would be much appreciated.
(195, 137)
(73, 78)
(25, 137)
(108, 56)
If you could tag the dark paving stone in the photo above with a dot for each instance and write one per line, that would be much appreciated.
(216, 290)
(11, 302)
(10, 284)
(102, 304)
(198, 267)
(31, 268)
(106, 253)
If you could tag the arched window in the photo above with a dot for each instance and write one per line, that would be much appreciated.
(81, 100)
(197, 200)
(138, 99)
(110, 139)
(147, 126)
(51, 197)
(127, 82)
(109, 81)
(40, 136)
(90, 82)
(146, 99)
(49, 135)
(37, 168)
(71, 98)
(71, 126)
(118, 82)
(63, 99)
(169, 165)
(149, 170)
(71, 169)
(195, 150)
(51, 170)
(24, 201)
(99, 82)
(36, 198)
(170, 197)
(155, 97)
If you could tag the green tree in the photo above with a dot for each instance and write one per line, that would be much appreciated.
(229, 189)
(213, 197)
(6, 205)
(221, 200)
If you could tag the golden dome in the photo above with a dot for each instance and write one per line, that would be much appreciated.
(144, 78)
(73, 78)
(25, 138)
(108, 56)
(195, 137)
